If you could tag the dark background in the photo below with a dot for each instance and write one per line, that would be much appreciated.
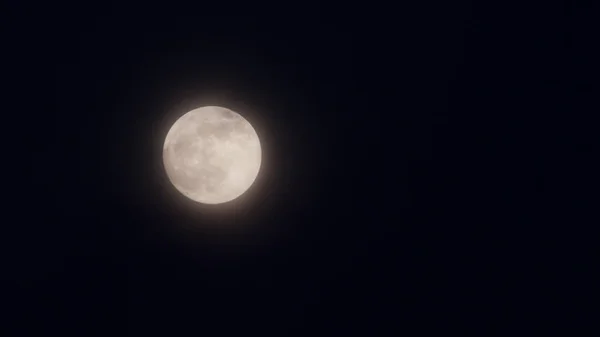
(418, 170)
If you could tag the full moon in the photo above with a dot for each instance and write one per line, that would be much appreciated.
(212, 155)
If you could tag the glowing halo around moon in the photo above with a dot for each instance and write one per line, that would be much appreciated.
(212, 155)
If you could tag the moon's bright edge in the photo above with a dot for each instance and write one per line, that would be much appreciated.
(212, 155)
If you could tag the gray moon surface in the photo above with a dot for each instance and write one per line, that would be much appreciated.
(212, 155)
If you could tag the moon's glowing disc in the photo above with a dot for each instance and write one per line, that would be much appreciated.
(212, 155)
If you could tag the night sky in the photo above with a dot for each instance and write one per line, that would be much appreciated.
(410, 182)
